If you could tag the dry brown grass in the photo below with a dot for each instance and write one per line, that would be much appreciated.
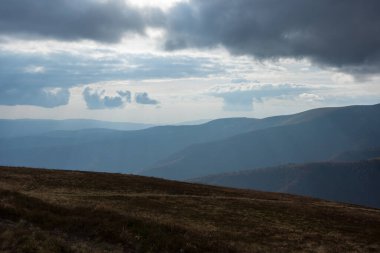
(71, 211)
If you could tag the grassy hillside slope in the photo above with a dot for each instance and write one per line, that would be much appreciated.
(71, 211)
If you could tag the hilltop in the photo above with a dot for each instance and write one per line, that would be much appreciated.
(74, 211)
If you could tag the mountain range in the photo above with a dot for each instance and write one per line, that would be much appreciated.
(189, 151)
(113, 150)
(26, 127)
(311, 136)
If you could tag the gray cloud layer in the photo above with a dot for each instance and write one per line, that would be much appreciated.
(105, 21)
(43, 97)
(26, 79)
(339, 33)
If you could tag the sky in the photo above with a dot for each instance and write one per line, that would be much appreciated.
(170, 61)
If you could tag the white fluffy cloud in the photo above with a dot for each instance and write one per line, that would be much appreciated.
(97, 99)
(310, 97)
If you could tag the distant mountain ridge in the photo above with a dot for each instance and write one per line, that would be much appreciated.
(350, 182)
(311, 136)
(111, 150)
(26, 127)
(358, 154)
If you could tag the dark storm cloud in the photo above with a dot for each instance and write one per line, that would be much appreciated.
(96, 99)
(105, 21)
(143, 98)
(340, 33)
